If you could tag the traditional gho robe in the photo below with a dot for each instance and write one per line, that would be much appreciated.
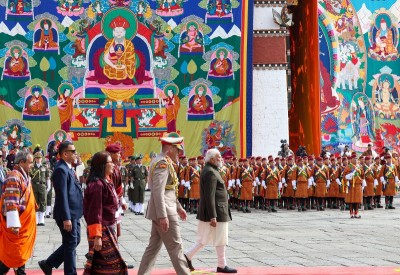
(126, 58)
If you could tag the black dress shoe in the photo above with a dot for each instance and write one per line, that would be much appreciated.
(189, 262)
(47, 270)
(226, 269)
(129, 266)
(40, 224)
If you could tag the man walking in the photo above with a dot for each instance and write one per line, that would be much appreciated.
(163, 208)
(68, 209)
(17, 221)
(214, 213)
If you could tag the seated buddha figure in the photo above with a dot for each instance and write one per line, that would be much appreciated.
(221, 65)
(117, 63)
(16, 64)
(169, 8)
(192, 39)
(46, 40)
(200, 102)
(36, 103)
(383, 45)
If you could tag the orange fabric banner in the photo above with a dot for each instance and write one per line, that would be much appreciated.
(304, 115)
(17, 249)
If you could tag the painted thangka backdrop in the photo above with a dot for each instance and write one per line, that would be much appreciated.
(359, 73)
(126, 71)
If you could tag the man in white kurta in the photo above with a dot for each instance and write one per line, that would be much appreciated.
(214, 213)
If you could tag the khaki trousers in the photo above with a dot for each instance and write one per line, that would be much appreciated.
(173, 243)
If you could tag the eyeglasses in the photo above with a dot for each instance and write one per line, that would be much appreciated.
(72, 151)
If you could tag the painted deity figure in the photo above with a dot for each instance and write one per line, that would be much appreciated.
(170, 5)
(14, 136)
(120, 58)
(221, 65)
(46, 40)
(384, 43)
(36, 103)
(385, 101)
(172, 104)
(19, 9)
(16, 64)
(363, 123)
(70, 5)
(219, 7)
(200, 102)
(192, 39)
(65, 104)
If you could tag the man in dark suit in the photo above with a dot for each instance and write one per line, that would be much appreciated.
(213, 214)
(68, 209)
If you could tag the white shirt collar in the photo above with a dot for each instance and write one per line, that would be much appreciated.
(69, 165)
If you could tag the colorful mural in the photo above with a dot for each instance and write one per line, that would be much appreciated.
(101, 71)
(359, 73)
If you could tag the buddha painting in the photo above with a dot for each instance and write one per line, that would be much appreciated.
(18, 9)
(70, 7)
(386, 97)
(363, 121)
(383, 38)
(119, 61)
(36, 105)
(191, 39)
(65, 104)
(201, 106)
(221, 64)
(16, 64)
(172, 104)
(46, 36)
(169, 8)
(219, 9)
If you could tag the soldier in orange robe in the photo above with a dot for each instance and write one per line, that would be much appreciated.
(378, 188)
(258, 190)
(390, 180)
(371, 181)
(300, 184)
(311, 188)
(271, 181)
(354, 176)
(193, 182)
(236, 184)
(248, 183)
(288, 175)
(333, 191)
(321, 182)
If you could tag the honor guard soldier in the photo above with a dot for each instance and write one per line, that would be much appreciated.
(321, 179)
(192, 178)
(288, 174)
(300, 184)
(390, 180)
(354, 174)
(271, 181)
(333, 191)
(40, 176)
(372, 182)
(139, 175)
(248, 183)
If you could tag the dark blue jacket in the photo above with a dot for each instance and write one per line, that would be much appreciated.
(68, 203)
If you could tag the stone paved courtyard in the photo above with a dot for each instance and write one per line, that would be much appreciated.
(286, 238)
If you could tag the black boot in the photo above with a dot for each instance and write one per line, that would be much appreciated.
(20, 270)
(3, 268)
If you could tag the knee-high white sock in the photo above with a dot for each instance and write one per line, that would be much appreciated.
(141, 210)
(193, 250)
(37, 218)
(221, 256)
(41, 217)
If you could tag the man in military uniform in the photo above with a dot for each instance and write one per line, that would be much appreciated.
(139, 177)
(129, 169)
(49, 193)
(40, 176)
(164, 208)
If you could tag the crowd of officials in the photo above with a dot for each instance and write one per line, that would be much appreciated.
(208, 186)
